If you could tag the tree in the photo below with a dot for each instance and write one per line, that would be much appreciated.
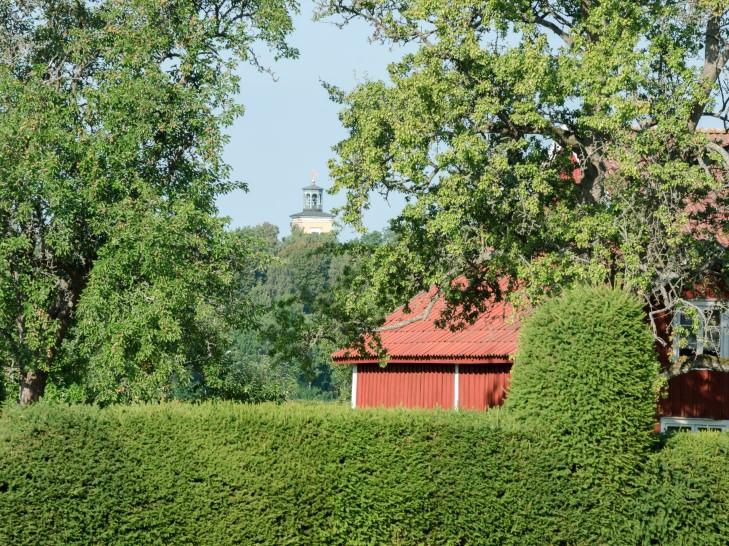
(113, 262)
(293, 296)
(545, 142)
(302, 309)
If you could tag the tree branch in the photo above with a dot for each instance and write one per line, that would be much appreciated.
(542, 21)
(715, 57)
(714, 147)
(420, 316)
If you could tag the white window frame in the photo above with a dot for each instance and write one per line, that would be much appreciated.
(694, 424)
(704, 305)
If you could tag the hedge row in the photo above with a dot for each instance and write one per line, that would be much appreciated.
(313, 474)
(686, 499)
(586, 376)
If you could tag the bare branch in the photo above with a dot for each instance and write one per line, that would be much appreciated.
(550, 25)
(714, 147)
(420, 316)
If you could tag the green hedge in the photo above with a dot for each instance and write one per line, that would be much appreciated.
(586, 377)
(686, 488)
(586, 371)
(312, 474)
(234, 474)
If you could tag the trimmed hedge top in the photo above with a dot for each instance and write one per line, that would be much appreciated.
(232, 474)
(587, 371)
(309, 474)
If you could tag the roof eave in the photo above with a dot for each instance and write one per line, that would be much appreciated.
(430, 359)
(307, 215)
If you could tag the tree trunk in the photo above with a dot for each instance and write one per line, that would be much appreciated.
(32, 386)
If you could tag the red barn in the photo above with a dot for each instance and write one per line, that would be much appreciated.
(432, 367)
(469, 368)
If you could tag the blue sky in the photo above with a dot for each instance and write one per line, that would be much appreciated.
(290, 125)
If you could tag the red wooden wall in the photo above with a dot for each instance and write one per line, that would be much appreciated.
(431, 385)
(482, 386)
(407, 385)
(698, 393)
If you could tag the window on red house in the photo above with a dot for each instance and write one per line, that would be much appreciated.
(701, 330)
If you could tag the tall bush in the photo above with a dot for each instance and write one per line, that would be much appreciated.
(585, 381)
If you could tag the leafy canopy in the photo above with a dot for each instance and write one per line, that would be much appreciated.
(114, 265)
(546, 141)
(302, 308)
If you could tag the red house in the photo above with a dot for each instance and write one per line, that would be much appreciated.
(470, 368)
(698, 370)
(432, 367)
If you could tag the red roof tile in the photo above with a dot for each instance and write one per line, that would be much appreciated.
(491, 339)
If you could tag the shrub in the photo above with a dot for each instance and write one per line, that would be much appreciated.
(234, 474)
(587, 372)
(585, 378)
(323, 474)
(686, 492)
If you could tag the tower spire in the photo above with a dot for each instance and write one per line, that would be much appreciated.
(313, 218)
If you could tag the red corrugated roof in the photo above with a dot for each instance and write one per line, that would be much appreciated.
(491, 339)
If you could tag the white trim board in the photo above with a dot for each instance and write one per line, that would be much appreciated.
(456, 388)
(354, 386)
(693, 424)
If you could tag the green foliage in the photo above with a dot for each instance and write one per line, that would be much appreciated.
(587, 372)
(301, 299)
(248, 376)
(491, 108)
(324, 474)
(231, 474)
(285, 340)
(306, 268)
(113, 263)
(586, 377)
(687, 491)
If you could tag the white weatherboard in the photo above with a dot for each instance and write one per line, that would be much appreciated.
(456, 401)
(354, 386)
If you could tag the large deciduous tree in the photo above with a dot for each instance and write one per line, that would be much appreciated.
(113, 261)
(547, 142)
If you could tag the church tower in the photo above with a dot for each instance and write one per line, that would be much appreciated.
(313, 219)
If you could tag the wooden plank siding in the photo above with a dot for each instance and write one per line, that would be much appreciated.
(431, 385)
(698, 393)
(405, 385)
(483, 386)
